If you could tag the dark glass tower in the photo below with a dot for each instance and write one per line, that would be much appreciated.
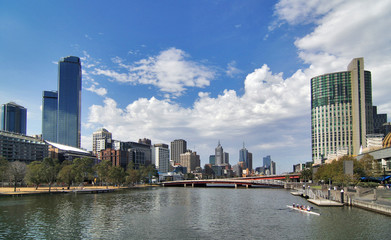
(64, 127)
(69, 101)
(13, 118)
(49, 116)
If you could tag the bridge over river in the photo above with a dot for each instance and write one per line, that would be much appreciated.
(276, 181)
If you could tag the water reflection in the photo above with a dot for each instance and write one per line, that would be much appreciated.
(186, 213)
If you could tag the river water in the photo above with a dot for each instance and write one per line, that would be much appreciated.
(182, 213)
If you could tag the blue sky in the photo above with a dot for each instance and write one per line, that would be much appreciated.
(234, 71)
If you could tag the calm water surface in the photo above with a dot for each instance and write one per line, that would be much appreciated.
(182, 213)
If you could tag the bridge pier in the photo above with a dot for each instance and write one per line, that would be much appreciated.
(192, 185)
(184, 185)
(246, 185)
(236, 185)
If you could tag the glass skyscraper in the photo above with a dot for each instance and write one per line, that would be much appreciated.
(49, 116)
(341, 112)
(13, 118)
(67, 122)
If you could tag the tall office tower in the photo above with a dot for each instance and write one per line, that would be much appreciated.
(49, 115)
(244, 156)
(267, 161)
(212, 159)
(219, 155)
(178, 146)
(65, 126)
(101, 140)
(161, 157)
(69, 101)
(250, 161)
(378, 120)
(341, 111)
(13, 118)
(226, 158)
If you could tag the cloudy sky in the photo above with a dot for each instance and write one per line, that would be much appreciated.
(200, 70)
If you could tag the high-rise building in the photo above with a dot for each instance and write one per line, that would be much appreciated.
(178, 146)
(69, 101)
(49, 115)
(267, 161)
(246, 157)
(161, 157)
(341, 111)
(226, 158)
(13, 118)
(190, 160)
(212, 159)
(67, 123)
(378, 120)
(219, 155)
(101, 140)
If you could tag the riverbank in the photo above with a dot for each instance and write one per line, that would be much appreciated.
(21, 191)
(375, 200)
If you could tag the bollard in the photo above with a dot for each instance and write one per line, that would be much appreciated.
(328, 194)
(342, 196)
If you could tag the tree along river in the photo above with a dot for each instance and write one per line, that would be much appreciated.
(182, 213)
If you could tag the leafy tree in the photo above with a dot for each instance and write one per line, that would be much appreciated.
(34, 173)
(50, 168)
(369, 166)
(189, 176)
(4, 164)
(334, 171)
(82, 169)
(306, 174)
(66, 175)
(133, 175)
(116, 175)
(17, 172)
(147, 172)
(102, 169)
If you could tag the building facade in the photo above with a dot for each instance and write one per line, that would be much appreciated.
(219, 155)
(161, 157)
(18, 147)
(116, 157)
(49, 115)
(67, 153)
(378, 121)
(13, 118)
(341, 111)
(67, 123)
(190, 160)
(247, 158)
(69, 101)
(101, 140)
(178, 146)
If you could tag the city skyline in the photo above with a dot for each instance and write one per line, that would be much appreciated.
(201, 71)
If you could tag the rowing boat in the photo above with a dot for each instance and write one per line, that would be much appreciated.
(301, 210)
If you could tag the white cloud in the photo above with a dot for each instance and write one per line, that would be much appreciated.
(268, 99)
(352, 29)
(100, 91)
(170, 71)
(231, 69)
(302, 11)
(274, 111)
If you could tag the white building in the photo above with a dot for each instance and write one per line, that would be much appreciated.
(101, 139)
(161, 157)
